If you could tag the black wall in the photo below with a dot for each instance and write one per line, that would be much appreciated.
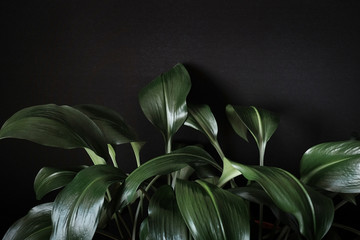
(297, 58)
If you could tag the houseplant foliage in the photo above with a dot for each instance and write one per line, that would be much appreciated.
(185, 193)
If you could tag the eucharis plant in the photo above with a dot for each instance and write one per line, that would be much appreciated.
(185, 193)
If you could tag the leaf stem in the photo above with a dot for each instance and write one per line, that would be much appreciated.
(347, 228)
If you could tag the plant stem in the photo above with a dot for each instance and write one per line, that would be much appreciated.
(262, 147)
(135, 221)
(261, 213)
(347, 228)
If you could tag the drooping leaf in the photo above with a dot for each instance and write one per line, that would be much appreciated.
(333, 166)
(163, 100)
(78, 206)
(49, 179)
(116, 131)
(291, 196)
(55, 126)
(165, 164)
(36, 225)
(164, 218)
(211, 212)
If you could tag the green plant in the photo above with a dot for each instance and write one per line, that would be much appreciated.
(185, 193)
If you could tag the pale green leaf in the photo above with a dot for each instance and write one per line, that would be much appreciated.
(334, 166)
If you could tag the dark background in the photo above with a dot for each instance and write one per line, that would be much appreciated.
(297, 58)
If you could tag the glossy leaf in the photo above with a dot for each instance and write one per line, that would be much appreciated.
(333, 166)
(259, 122)
(202, 119)
(111, 123)
(36, 225)
(56, 126)
(78, 206)
(163, 100)
(211, 212)
(49, 179)
(291, 196)
(165, 164)
(164, 218)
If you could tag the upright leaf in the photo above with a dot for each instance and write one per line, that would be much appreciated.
(56, 126)
(211, 212)
(36, 225)
(164, 219)
(115, 129)
(291, 196)
(333, 166)
(78, 206)
(202, 119)
(163, 100)
(259, 122)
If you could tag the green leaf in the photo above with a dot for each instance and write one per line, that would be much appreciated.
(163, 100)
(202, 119)
(333, 166)
(55, 126)
(36, 225)
(211, 212)
(291, 196)
(259, 122)
(111, 123)
(49, 179)
(78, 206)
(165, 164)
(164, 219)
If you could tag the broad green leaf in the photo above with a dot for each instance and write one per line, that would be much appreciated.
(55, 126)
(49, 179)
(291, 196)
(202, 119)
(255, 193)
(333, 166)
(163, 100)
(164, 218)
(211, 212)
(165, 164)
(259, 122)
(116, 131)
(144, 229)
(78, 206)
(36, 225)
